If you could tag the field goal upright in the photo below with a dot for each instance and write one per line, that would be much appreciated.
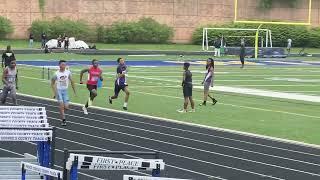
(279, 13)
(205, 37)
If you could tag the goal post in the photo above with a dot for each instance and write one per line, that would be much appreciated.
(205, 36)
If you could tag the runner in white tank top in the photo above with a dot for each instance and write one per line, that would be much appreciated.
(59, 84)
(10, 81)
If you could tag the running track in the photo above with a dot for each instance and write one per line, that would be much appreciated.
(189, 152)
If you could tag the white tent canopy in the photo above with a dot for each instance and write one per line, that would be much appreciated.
(73, 44)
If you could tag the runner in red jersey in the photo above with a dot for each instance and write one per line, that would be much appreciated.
(95, 73)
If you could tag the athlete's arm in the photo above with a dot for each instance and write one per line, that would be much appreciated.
(53, 85)
(100, 76)
(183, 78)
(72, 85)
(17, 80)
(4, 75)
(81, 74)
(208, 75)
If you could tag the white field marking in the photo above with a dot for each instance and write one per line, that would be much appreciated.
(144, 66)
(204, 126)
(231, 74)
(183, 130)
(225, 80)
(314, 71)
(164, 152)
(287, 62)
(205, 142)
(83, 144)
(174, 97)
(146, 55)
(276, 75)
(12, 152)
(293, 79)
(177, 81)
(166, 86)
(277, 85)
(265, 93)
(301, 91)
(54, 165)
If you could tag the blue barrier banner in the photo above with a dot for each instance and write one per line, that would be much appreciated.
(74, 171)
(40, 152)
(46, 154)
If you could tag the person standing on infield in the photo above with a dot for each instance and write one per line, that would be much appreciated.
(95, 73)
(207, 82)
(242, 54)
(10, 82)
(187, 89)
(121, 83)
(7, 57)
(59, 84)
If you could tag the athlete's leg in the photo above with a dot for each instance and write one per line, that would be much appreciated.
(5, 91)
(191, 102)
(13, 93)
(116, 93)
(126, 99)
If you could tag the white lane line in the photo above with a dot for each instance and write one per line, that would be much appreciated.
(205, 142)
(276, 85)
(83, 144)
(12, 152)
(183, 130)
(187, 147)
(62, 151)
(204, 126)
(172, 154)
(264, 93)
(293, 80)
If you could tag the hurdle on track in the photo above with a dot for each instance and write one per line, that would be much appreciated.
(39, 169)
(25, 123)
(75, 160)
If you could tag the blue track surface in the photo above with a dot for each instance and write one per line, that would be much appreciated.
(175, 63)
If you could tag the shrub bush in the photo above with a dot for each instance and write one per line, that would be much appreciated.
(146, 30)
(5, 27)
(300, 35)
(59, 26)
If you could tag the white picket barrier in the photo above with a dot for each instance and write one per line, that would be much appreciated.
(25, 135)
(23, 124)
(109, 163)
(41, 170)
(23, 117)
(22, 108)
(19, 117)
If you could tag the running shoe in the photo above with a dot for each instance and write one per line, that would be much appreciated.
(85, 110)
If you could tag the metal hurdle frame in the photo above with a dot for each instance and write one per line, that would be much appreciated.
(42, 170)
(45, 150)
(74, 170)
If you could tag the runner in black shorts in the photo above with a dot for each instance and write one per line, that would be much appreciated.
(121, 83)
(187, 88)
(95, 74)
